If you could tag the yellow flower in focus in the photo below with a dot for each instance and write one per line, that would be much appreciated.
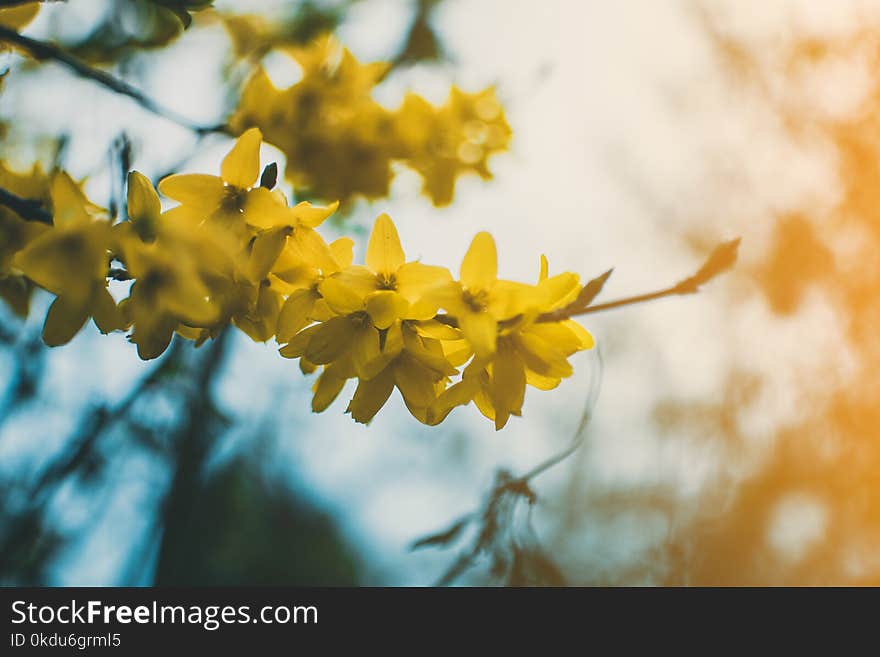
(302, 281)
(479, 300)
(528, 352)
(229, 202)
(416, 365)
(305, 245)
(387, 270)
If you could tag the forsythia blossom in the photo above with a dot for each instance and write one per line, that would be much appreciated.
(340, 143)
(233, 251)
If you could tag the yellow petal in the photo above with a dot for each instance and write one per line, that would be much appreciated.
(266, 209)
(559, 291)
(447, 296)
(365, 354)
(459, 394)
(384, 253)
(510, 299)
(63, 321)
(294, 315)
(330, 340)
(508, 384)
(312, 216)
(545, 269)
(67, 261)
(313, 249)
(479, 269)
(69, 202)
(341, 298)
(342, 251)
(371, 396)
(259, 324)
(358, 278)
(429, 353)
(144, 207)
(437, 330)
(384, 307)
(541, 356)
(104, 311)
(481, 331)
(414, 279)
(327, 388)
(241, 167)
(297, 346)
(541, 382)
(265, 250)
(585, 337)
(321, 311)
(393, 342)
(201, 191)
(415, 382)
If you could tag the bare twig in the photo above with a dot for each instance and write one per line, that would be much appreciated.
(26, 208)
(497, 513)
(722, 258)
(45, 51)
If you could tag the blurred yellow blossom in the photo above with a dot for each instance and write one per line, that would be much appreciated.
(71, 261)
(340, 143)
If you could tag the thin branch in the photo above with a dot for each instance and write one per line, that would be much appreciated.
(720, 260)
(501, 504)
(557, 316)
(43, 51)
(26, 208)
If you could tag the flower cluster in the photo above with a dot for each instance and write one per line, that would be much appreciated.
(340, 143)
(233, 251)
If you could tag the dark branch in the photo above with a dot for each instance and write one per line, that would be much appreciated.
(45, 51)
(26, 208)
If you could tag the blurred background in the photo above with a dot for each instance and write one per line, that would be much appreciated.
(734, 439)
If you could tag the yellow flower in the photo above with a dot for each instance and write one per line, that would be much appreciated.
(168, 290)
(16, 233)
(527, 352)
(443, 143)
(71, 261)
(179, 271)
(414, 364)
(304, 303)
(305, 246)
(386, 269)
(337, 139)
(229, 202)
(479, 301)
